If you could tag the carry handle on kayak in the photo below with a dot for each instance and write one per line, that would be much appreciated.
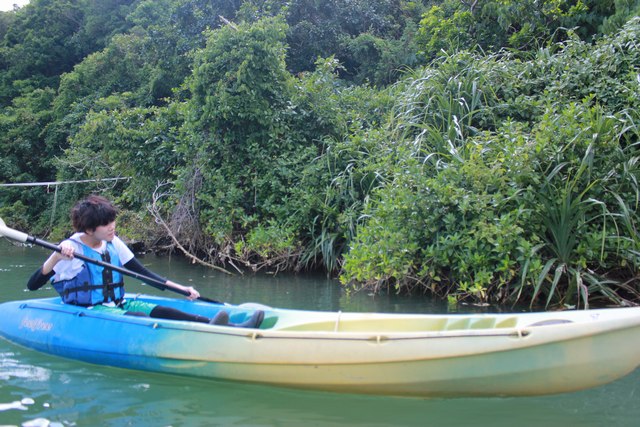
(21, 237)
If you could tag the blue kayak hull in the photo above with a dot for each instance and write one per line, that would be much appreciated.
(49, 326)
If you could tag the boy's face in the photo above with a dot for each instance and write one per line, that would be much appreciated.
(105, 232)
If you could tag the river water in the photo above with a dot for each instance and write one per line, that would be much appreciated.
(41, 390)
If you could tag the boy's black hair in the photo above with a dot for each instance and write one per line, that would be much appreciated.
(92, 212)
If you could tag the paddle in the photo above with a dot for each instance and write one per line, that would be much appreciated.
(25, 238)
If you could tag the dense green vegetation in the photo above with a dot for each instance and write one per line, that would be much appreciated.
(479, 150)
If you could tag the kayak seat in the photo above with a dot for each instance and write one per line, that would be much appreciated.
(406, 324)
(480, 323)
(370, 325)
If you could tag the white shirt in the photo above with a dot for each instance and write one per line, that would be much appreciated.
(68, 269)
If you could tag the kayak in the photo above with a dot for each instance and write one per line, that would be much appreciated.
(421, 355)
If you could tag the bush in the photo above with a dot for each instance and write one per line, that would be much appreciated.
(510, 179)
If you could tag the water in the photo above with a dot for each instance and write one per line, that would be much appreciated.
(39, 390)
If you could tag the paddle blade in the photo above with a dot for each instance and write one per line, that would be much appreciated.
(11, 233)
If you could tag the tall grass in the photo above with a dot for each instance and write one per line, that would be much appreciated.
(589, 226)
(565, 205)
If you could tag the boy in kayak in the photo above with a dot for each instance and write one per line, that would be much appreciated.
(86, 284)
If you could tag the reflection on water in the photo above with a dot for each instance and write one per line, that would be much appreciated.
(75, 393)
(11, 368)
(18, 404)
(39, 390)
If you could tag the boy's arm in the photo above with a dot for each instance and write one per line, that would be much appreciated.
(38, 279)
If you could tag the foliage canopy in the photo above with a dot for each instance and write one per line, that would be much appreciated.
(479, 150)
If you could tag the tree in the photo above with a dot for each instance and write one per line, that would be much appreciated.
(23, 155)
(37, 47)
(240, 121)
(496, 24)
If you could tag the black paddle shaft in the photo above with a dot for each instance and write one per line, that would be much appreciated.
(148, 280)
